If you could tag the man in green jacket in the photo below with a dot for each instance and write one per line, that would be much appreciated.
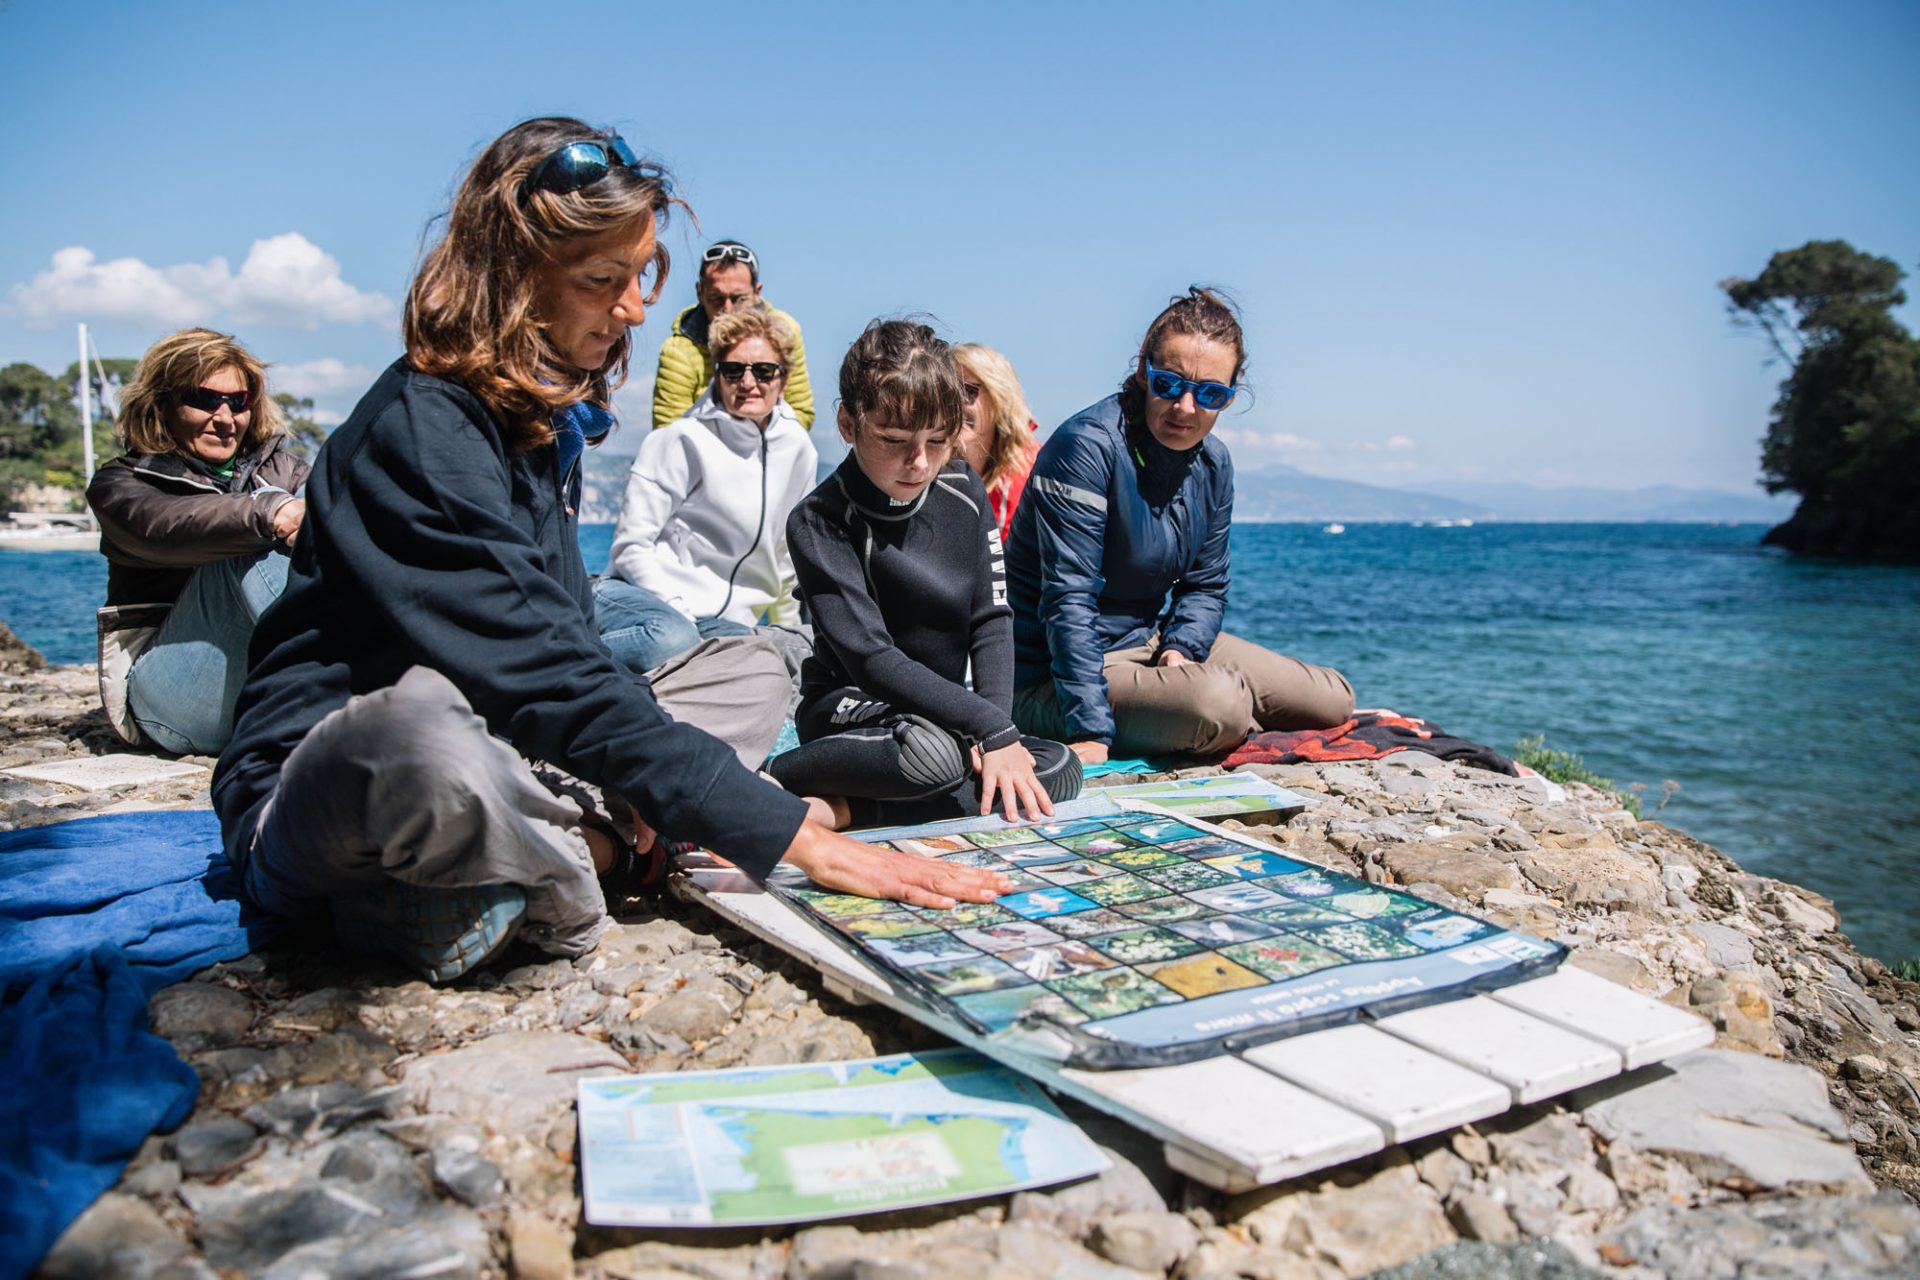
(729, 280)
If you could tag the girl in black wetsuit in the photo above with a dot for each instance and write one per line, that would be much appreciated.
(899, 560)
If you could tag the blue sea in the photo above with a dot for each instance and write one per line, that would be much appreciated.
(1780, 694)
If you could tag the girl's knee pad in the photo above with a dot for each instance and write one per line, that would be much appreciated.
(930, 757)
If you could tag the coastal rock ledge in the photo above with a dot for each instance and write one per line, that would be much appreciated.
(354, 1123)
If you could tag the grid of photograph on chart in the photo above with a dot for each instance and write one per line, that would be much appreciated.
(1146, 930)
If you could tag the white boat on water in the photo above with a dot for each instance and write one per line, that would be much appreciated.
(1335, 528)
(62, 530)
(48, 531)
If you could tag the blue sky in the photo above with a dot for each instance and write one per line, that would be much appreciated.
(1472, 241)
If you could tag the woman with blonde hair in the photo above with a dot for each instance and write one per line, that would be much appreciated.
(997, 438)
(195, 519)
(431, 703)
(701, 545)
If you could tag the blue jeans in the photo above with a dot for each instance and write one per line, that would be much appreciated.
(642, 631)
(182, 690)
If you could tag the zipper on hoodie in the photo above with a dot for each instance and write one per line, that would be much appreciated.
(759, 529)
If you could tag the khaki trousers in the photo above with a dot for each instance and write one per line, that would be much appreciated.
(1199, 708)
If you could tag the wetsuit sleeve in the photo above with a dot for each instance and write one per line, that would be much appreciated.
(1200, 596)
(429, 528)
(785, 609)
(1069, 491)
(991, 653)
(848, 620)
(181, 531)
(657, 484)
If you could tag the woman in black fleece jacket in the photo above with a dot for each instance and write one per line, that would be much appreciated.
(434, 662)
(899, 561)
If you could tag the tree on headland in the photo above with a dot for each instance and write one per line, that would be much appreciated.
(1845, 431)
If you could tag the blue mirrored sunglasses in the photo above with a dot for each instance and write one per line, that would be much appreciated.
(579, 164)
(1206, 395)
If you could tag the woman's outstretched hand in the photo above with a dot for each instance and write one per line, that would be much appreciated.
(840, 862)
(1008, 773)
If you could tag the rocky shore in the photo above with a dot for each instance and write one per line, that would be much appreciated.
(353, 1123)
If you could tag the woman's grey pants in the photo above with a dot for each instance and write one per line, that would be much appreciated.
(407, 782)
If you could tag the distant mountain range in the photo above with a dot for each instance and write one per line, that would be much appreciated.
(1277, 491)
(1280, 492)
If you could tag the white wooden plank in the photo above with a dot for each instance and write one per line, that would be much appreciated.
(1641, 1029)
(1532, 1057)
(1235, 1116)
(1401, 1087)
(765, 916)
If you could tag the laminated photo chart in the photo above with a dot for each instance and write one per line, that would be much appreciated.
(1145, 939)
(1262, 1047)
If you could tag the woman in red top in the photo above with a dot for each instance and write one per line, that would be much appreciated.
(997, 437)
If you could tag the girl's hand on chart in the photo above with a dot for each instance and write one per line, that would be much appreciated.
(1089, 752)
(840, 862)
(1171, 658)
(1009, 774)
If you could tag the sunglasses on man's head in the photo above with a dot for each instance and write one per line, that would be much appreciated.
(207, 400)
(579, 164)
(1171, 386)
(763, 370)
(729, 253)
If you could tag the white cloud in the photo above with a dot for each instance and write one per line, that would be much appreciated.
(76, 284)
(1401, 444)
(322, 379)
(1243, 440)
(286, 281)
(289, 280)
(1392, 444)
(328, 418)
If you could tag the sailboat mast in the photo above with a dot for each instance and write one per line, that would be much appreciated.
(86, 411)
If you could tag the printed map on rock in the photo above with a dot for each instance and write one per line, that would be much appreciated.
(1142, 939)
(756, 1146)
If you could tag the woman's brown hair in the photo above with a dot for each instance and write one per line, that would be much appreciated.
(1203, 312)
(179, 362)
(471, 316)
(902, 372)
(1011, 422)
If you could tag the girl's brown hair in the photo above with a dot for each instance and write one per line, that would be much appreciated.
(902, 372)
(471, 315)
(179, 362)
(1011, 421)
(730, 330)
(1203, 312)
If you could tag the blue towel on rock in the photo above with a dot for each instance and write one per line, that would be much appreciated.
(95, 916)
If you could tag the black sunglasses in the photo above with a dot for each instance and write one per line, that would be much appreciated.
(763, 370)
(207, 400)
(579, 164)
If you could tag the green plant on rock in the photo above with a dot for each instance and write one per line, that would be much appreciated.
(1564, 766)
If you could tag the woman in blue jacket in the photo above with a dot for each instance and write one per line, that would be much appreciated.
(1118, 567)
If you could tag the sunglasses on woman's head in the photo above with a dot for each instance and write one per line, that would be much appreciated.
(763, 370)
(207, 400)
(577, 165)
(1171, 386)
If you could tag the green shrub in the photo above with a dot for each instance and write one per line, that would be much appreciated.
(1565, 766)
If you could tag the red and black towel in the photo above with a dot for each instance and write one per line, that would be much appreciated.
(1368, 736)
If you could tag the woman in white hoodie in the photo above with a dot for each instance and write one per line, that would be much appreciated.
(701, 546)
